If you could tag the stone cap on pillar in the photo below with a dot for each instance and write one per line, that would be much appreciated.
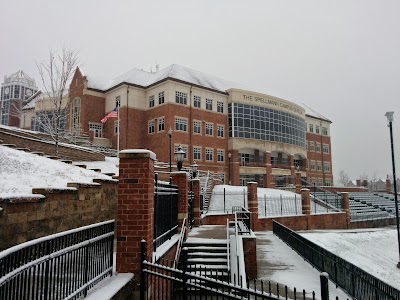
(137, 153)
(304, 190)
(180, 173)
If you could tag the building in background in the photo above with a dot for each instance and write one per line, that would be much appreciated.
(238, 134)
(15, 90)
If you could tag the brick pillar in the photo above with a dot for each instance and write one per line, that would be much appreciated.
(180, 179)
(292, 170)
(358, 182)
(388, 185)
(135, 209)
(235, 177)
(365, 183)
(346, 207)
(298, 182)
(305, 201)
(268, 182)
(252, 203)
(196, 192)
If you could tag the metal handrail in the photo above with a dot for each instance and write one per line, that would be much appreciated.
(180, 242)
(227, 245)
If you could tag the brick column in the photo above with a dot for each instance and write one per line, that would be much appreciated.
(135, 209)
(235, 177)
(268, 182)
(298, 182)
(305, 201)
(252, 203)
(180, 179)
(388, 185)
(196, 201)
(346, 207)
(292, 171)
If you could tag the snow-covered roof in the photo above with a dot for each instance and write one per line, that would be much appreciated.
(178, 72)
(312, 113)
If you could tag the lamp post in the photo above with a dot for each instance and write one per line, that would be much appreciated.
(170, 146)
(389, 116)
(193, 168)
(229, 167)
(179, 156)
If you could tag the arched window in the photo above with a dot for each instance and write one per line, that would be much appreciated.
(75, 116)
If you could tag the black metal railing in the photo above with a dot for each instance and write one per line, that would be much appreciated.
(358, 283)
(241, 217)
(60, 266)
(190, 208)
(163, 281)
(165, 212)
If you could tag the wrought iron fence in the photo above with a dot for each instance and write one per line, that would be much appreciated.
(358, 283)
(165, 212)
(60, 266)
(279, 205)
(163, 281)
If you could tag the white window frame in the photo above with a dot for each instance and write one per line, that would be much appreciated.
(97, 128)
(161, 98)
(151, 101)
(220, 154)
(161, 122)
(180, 97)
(151, 127)
(209, 151)
(181, 122)
(198, 153)
(198, 122)
(220, 107)
(209, 126)
(197, 100)
(209, 104)
(220, 129)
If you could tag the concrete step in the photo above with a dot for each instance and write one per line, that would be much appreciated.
(207, 261)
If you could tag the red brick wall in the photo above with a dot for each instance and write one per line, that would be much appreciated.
(317, 156)
(250, 256)
(24, 219)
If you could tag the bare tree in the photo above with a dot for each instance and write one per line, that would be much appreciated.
(344, 178)
(55, 75)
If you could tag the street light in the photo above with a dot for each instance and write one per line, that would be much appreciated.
(229, 167)
(170, 146)
(389, 116)
(179, 156)
(193, 168)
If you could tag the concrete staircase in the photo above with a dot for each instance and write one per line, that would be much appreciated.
(208, 257)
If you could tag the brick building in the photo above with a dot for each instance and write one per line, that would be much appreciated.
(238, 134)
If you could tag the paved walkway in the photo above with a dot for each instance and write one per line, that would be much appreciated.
(277, 262)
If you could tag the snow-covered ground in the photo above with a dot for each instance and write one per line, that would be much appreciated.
(278, 263)
(21, 171)
(373, 250)
(271, 202)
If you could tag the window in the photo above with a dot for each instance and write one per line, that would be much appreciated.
(197, 153)
(180, 124)
(317, 129)
(75, 115)
(209, 103)
(327, 167)
(197, 127)
(312, 146)
(151, 101)
(326, 148)
(209, 154)
(209, 129)
(311, 128)
(197, 101)
(320, 182)
(116, 127)
(220, 106)
(312, 165)
(327, 182)
(324, 131)
(161, 124)
(220, 155)
(319, 166)
(220, 131)
(97, 129)
(161, 98)
(184, 148)
(151, 127)
(181, 98)
(118, 101)
(318, 147)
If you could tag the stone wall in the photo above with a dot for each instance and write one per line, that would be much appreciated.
(55, 210)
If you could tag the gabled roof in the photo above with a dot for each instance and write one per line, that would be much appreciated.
(146, 79)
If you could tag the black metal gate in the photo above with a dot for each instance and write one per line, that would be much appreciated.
(160, 280)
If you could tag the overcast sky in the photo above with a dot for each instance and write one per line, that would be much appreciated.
(342, 58)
